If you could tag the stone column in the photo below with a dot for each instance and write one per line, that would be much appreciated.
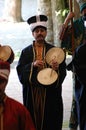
(57, 7)
(12, 10)
(44, 7)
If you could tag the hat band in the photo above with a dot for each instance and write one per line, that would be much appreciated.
(4, 73)
(34, 25)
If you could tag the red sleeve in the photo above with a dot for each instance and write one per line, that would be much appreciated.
(26, 122)
(29, 125)
(17, 116)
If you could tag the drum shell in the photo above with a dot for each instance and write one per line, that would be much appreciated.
(6, 53)
(11, 58)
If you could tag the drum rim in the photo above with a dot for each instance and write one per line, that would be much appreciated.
(51, 50)
(40, 76)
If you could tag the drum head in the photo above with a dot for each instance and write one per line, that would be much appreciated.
(56, 54)
(5, 52)
(47, 76)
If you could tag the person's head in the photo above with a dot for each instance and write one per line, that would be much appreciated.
(38, 26)
(82, 5)
(4, 75)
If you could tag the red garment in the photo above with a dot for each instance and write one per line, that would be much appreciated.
(15, 116)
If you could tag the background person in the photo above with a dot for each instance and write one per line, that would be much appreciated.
(79, 38)
(79, 64)
(13, 115)
(44, 102)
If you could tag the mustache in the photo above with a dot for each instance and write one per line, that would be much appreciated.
(40, 36)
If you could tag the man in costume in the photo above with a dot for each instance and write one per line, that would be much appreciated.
(79, 64)
(79, 38)
(13, 115)
(43, 101)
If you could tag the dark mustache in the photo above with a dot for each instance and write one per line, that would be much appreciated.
(40, 35)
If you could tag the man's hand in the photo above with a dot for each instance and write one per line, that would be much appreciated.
(39, 64)
(55, 65)
(68, 18)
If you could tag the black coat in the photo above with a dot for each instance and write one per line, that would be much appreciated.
(79, 64)
(53, 112)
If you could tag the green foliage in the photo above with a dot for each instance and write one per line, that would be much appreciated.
(65, 12)
(62, 12)
(17, 54)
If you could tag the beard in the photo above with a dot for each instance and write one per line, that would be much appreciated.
(2, 95)
(40, 38)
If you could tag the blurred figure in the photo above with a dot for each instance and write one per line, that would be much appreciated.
(79, 64)
(13, 115)
(79, 27)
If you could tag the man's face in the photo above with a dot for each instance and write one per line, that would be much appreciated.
(3, 84)
(83, 12)
(39, 34)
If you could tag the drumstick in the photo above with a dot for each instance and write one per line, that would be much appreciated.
(51, 72)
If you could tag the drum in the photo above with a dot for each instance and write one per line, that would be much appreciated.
(57, 54)
(6, 53)
(47, 76)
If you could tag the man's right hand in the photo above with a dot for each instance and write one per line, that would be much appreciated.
(39, 64)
